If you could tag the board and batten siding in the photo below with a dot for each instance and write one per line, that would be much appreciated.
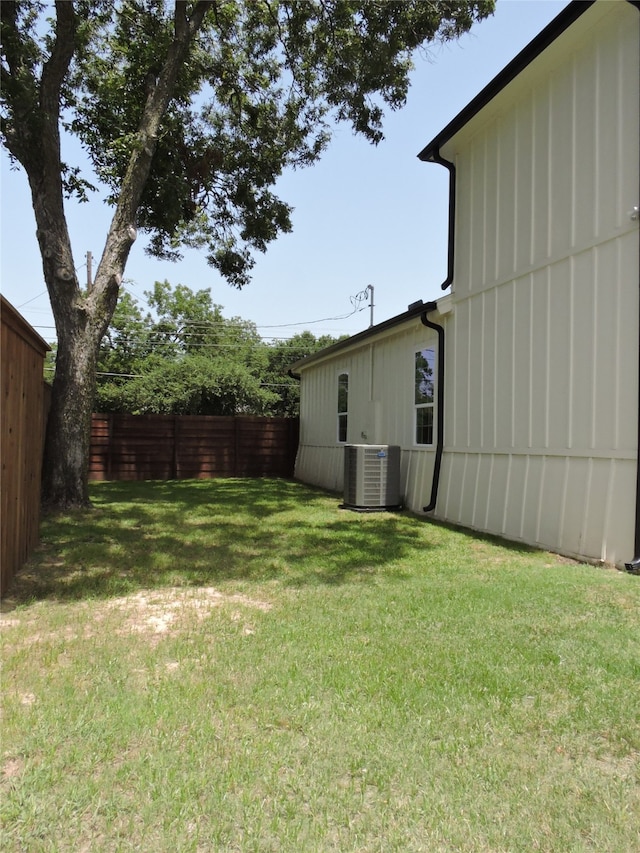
(541, 326)
(380, 409)
(542, 358)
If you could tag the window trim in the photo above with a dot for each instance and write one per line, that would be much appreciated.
(342, 416)
(427, 405)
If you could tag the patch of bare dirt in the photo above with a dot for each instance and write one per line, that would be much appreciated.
(163, 611)
(154, 614)
(11, 768)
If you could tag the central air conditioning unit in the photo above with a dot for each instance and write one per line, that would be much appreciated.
(371, 477)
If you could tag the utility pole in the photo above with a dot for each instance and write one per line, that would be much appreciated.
(370, 289)
(89, 281)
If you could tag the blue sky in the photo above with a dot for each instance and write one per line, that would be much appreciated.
(363, 216)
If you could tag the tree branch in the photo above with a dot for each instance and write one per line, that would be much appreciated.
(122, 232)
(10, 39)
(185, 26)
(32, 135)
(18, 82)
(55, 68)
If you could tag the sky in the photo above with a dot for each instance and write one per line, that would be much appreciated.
(364, 215)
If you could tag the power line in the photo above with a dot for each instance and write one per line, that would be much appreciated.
(263, 338)
(356, 301)
(33, 300)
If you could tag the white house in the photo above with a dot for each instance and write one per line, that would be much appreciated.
(515, 397)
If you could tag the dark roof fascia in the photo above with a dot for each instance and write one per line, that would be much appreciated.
(414, 311)
(535, 47)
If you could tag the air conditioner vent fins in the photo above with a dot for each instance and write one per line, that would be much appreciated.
(372, 476)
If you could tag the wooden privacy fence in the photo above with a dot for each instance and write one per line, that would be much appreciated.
(179, 447)
(23, 416)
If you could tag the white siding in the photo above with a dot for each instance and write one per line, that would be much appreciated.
(381, 410)
(555, 170)
(542, 390)
(541, 364)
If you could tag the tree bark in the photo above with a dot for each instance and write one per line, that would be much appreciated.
(68, 439)
(81, 317)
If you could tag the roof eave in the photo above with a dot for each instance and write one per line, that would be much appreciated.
(414, 310)
(431, 152)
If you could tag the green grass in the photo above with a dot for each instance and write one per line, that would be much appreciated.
(239, 665)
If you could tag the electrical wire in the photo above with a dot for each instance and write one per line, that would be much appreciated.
(195, 325)
(33, 300)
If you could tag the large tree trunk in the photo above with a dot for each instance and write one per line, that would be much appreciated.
(81, 322)
(81, 317)
(65, 471)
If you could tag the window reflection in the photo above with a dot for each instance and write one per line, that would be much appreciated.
(424, 394)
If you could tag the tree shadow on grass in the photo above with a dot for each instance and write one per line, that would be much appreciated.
(149, 535)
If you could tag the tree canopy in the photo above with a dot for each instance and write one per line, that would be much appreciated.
(188, 113)
(184, 357)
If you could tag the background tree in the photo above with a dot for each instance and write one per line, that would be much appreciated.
(193, 385)
(280, 356)
(185, 357)
(189, 112)
(126, 342)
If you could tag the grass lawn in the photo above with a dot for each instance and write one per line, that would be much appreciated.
(239, 665)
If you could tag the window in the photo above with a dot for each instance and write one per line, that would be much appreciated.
(424, 394)
(343, 405)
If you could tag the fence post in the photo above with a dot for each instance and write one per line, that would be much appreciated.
(236, 442)
(174, 462)
(109, 471)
